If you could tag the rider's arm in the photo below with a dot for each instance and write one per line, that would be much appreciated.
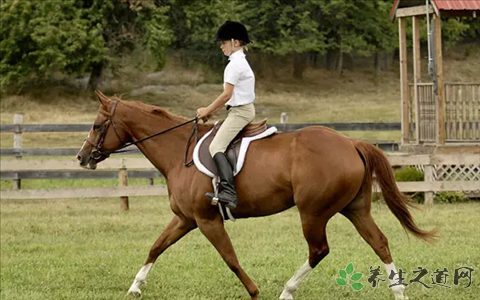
(221, 100)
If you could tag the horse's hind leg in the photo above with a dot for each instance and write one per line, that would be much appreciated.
(358, 212)
(176, 229)
(314, 230)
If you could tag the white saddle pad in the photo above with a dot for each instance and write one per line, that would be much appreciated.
(241, 157)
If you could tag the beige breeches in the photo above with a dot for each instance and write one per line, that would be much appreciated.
(238, 117)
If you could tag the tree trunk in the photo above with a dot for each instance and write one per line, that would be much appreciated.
(340, 62)
(298, 65)
(376, 67)
(95, 76)
(331, 60)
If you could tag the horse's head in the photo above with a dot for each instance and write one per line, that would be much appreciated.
(105, 136)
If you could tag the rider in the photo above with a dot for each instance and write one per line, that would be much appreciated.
(238, 97)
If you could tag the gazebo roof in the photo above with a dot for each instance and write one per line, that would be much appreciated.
(447, 8)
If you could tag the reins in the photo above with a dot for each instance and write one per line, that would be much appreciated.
(193, 134)
(98, 153)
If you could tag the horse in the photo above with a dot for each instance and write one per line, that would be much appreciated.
(320, 171)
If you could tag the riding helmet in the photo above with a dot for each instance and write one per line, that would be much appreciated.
(232, 30)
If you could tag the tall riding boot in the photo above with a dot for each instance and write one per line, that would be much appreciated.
(227, 193)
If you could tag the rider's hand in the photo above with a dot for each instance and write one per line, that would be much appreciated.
(204, 114)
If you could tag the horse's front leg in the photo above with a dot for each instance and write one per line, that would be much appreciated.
(215, 232)
(177, 229)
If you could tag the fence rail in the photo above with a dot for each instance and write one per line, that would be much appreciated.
(19, 151)
(138, 167)
(19, 128)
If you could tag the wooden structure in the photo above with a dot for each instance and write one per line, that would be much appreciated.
(437, 113)
(462, 181)
(463, 170)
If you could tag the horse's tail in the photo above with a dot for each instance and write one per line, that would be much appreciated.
(376, 161)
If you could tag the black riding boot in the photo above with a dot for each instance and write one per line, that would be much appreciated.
(227, 193)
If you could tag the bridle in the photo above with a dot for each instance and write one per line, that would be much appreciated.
(99, 155)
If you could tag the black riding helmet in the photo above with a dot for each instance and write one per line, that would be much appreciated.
(232, 30)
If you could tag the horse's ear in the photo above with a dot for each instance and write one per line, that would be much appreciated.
(104, 100)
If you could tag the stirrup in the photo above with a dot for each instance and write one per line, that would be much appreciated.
(214, 200)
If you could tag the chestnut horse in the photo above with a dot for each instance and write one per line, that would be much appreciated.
(317, 169)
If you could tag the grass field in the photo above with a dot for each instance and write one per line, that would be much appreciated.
(89, 249)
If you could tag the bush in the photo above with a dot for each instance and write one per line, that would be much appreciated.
(450, 197)
(411, 174)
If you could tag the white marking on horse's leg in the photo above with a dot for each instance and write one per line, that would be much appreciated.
(140, 279)
(294, 282)
(398, 290)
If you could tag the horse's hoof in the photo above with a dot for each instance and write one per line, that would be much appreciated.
(135, 292)
(286, 296)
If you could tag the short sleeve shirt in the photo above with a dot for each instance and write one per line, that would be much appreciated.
(239, 73)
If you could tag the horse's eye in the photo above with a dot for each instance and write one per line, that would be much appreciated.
(96, 127)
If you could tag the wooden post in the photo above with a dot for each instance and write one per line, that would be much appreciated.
(403, 79)
(417, 73)
(17, 144)
(440, 87)
(150, 181)
(428, 174)
(123, 181)
(284, 120)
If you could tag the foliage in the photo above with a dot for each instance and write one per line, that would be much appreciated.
(411, 174)
(44, 39)
(450, 197)
(39, 39)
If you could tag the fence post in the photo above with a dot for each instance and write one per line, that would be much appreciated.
(123, 181)
(284, 120)
(17, 144)
(428, 171)
(150, 181)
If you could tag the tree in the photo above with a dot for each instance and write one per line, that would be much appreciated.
(41, 38)
(285, 28)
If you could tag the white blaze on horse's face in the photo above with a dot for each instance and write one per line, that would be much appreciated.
(84, 156)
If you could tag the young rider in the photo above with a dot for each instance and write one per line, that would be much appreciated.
(238, 97)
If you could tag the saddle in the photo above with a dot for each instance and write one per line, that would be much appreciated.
(236, 151)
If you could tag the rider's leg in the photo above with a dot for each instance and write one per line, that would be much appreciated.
(237, 119)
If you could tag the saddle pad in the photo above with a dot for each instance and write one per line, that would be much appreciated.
(238, 152)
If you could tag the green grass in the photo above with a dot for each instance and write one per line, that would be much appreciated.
(89, 249)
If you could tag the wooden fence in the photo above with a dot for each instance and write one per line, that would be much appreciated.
(123, 167)
(461, 113)
(18, 128)
(17, 168)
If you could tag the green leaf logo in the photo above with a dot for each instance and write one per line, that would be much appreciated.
(357, 286)
(350, 268)
(356, 277)
(343, 281)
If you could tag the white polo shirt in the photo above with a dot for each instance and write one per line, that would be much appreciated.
(239, 74)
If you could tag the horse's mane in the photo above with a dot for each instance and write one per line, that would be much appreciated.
(150, 109)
